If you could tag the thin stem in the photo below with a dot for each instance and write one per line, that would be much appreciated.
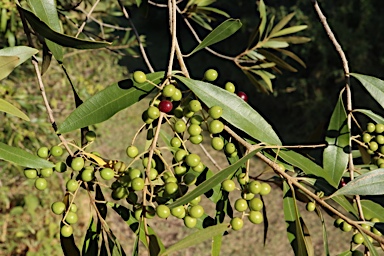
(86, 18)
(172, 27)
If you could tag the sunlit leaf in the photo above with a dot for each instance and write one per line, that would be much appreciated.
(44, 30)
(368, 243)
(324, 229)
(108, 102)
(23, 52)
(46, 11)
(7, 107)
(7, 65)
(289, 30)
(371, 209)
(336, 154)
(221, 32)
(284, 21)
(234, 110)
(20, 157)
(216, 245)
(197, 237)
(374, 86)
(375, 117)
(274, 44)
(371, 183)
(213, 181)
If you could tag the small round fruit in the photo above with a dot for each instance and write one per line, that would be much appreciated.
(189, 179)
(215, 112)
(180, 170)
(265, 189)
(243, 96)
(373, 146)
(255, 217)
(210, 75)
(311, 206)
(171, 179)
(187, 113)
(169, 90)
(371, 127)
(153, 112)
(119, 167)
(247, 196)
(146, 161)
(180, 155)
(71, 218)
(138, 184)
(57, 151)
(153, 174)
(215, 126)
(190, 222)
(178, 212)
(90, 136)
(380, 139)
(379, 128)
(358, 238)
(374, 220)
(175, 142)
(281, 167)
(196, 119)
(66, 231)
(58, 207)
(192, 160)
(376, 232)
(255, 204)
(72, 185)
(43, 152)
(338, 222)
(132, 151)
(217, 143)
(87, 175)
(46, 172)
(229, 86)
(134, 173)
(241, 205)
(180, 126)
(243, 178)
(171, 188)
(194, 129)
(228, 185)
(139, 77)
(165, 106)
(73, 208)
(199, 168)
(194, 105)
(41, 183)
(254, 187)
(237, 223)
(346, 227)
(197, 139)
(60, 167)
(150, 212)
(230, 148)
(107, 173)
(163, 211)
(30, 173)
(77, 163)
(195, 201)
(177, 96)
(119, 193)
(196, 211)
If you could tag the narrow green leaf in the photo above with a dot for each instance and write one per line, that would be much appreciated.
(346, 253)
(106, 103)
(138, 3)
(274, 44)
(368, 243)
(279, 62)
(216, 245)
(292, 56)
(371, 209)
(46, 11)
(324, 229)
(215, 10)
(91, 238)
(256, 82)
(45, 31)
(200, 21)
(197, 237)
(23, 158)
(294, 39)
(234, 109)
(293, 220)
(213, 181)
(305, 164)
(214, 194)
(289, 30)
(374, 86)
(7, 107)
(371, 183)
(336, 154)
(221, 32)
(7, 65)
(369, 113)
(23, 52)
(263, 18)
(265, 78)
(284, 21)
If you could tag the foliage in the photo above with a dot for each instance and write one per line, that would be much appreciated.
(167, 177)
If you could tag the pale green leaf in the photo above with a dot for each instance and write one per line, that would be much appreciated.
(375, 117)
(234, 110)
(197, 238)
(284, 21)
(23, 52)
(374, 86)
(293, 39)
(7, 65)
(265, 77)
(368, 243)
(199, 20)
(324, 229)
(371, 183)
(336, 154)
(221, 32)
(287, 31)
(216, 245)
(215, 10)
(263, 17)
(292, 56)
(371, 209)
(279, 62)
(274, 44)
(20, 157)
(7, 107)
(108, 102)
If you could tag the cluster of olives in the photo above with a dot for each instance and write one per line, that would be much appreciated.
(374, 138)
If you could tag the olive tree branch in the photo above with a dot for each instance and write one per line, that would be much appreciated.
(86, 18)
